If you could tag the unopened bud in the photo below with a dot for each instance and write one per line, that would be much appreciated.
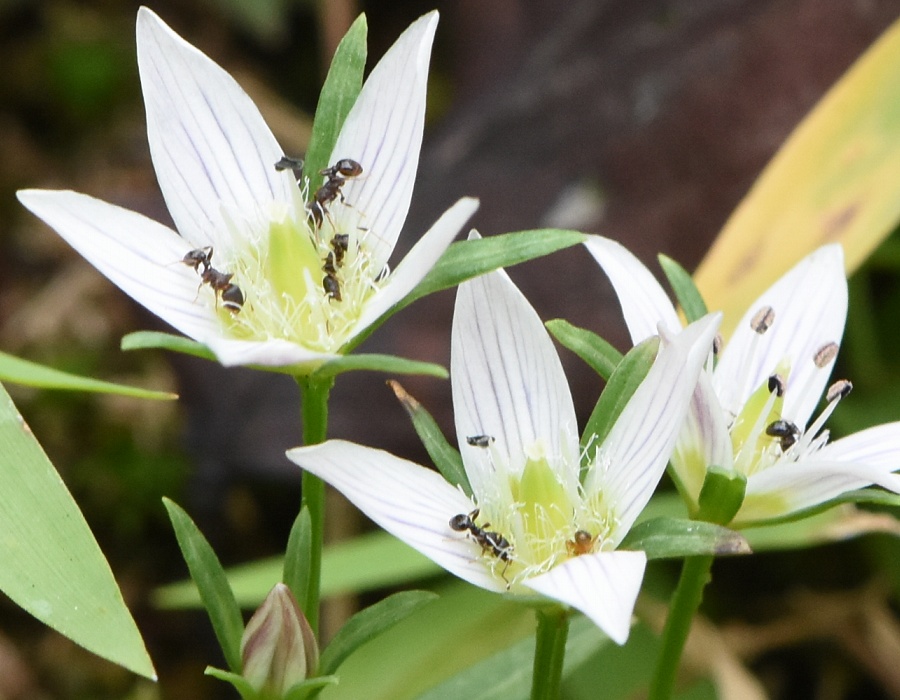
(278, 648)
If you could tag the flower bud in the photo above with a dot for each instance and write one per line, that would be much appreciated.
(278, 648)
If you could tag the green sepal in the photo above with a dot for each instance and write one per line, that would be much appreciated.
(339, 93)
(389, 364)
(621, 386)
(18, 371)
(145, 340)
(369, 623)
(445, 457)
(464, 260)
(53, 567)
(600, 356)
(310, 688)
(721, 495)
(295, 574)
(211, 582)
(300, 691)
(240, 684)
(685, 290)
(672, 538)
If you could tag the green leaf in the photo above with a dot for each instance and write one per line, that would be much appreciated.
(241, 684)
(445, 457)
(19, 371)
(295, 574)
(370, 623)
(507, 673)
(721, 495)
(209, 576)
(464, 260)
(52, 566)
(310, 687)
(668, 538)
(626, 378)
(144, 340)
(600, 356)
(389, 364)
(369, 562)
(339, 93)
(685, 290)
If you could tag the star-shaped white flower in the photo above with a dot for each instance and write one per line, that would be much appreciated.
(752, 413)
(287, 302)
(538, 528)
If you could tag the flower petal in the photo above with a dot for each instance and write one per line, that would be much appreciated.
(810, 304)
(644, 302)
(604, 586)
(704, 439)
(787, 487)
(139, 255)
(876, 446)
(418, 262)
(211, 149)
(383, 133)
(630, 462)
(411, 502)
(271, 353)
(508, 383)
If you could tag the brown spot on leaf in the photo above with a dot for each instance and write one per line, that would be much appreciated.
(838, 222)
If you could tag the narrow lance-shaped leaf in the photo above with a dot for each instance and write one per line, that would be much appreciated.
(590, 347)
(339, 93)
(19, 371)
(685, 290)
(54, 568)
(445, 457)
(369, 623)
(671, 538)
(388, 364)
(146, 340)
(296, 559)
(210, 579)
(624, 381)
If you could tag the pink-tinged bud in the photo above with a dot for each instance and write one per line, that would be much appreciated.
(278, 648)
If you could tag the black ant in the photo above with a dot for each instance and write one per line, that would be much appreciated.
(340, 244)
(288, 163)
(480, 440)
(330, 283)
(335, 177)
(786, 432)
(491, 542)
(232, 297)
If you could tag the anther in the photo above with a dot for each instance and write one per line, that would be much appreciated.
(717, 344)
(763, 319)
(825, 354)
(838, 390)
(776, 385)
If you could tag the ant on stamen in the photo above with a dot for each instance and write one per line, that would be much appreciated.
(335, 177)
(340, 244)
(491, 542)
(331, 286)
(197, 257)
(581, 543)
(786, 432)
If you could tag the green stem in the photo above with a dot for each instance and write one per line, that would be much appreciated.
(314, 402)
(549, 652)
(695, 574)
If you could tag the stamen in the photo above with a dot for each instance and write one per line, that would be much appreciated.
(839, 390)
(763, 319)
(825, 354)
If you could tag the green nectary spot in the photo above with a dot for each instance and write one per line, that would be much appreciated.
(750, 423)
(544, 505)
(291, 252)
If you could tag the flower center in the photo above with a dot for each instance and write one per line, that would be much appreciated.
(301, 282)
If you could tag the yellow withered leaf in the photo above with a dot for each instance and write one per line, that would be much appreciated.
(837, 178)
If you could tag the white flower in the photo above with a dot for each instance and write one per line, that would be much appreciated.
(538, 529)
(215, 160)
(751, 413)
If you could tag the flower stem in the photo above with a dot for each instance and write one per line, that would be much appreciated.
(549, 652)
(695, 574)
(314, 403)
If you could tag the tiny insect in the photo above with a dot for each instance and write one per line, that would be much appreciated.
(480, 440)
(232, 296)
(344, 168)
(340, 244)
(581, 543)
(335, 177)
(332, 287)
(288, 163)
(491, 542)
(786, 432)
(197, 257)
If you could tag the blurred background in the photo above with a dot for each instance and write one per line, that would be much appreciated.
(643, 120)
